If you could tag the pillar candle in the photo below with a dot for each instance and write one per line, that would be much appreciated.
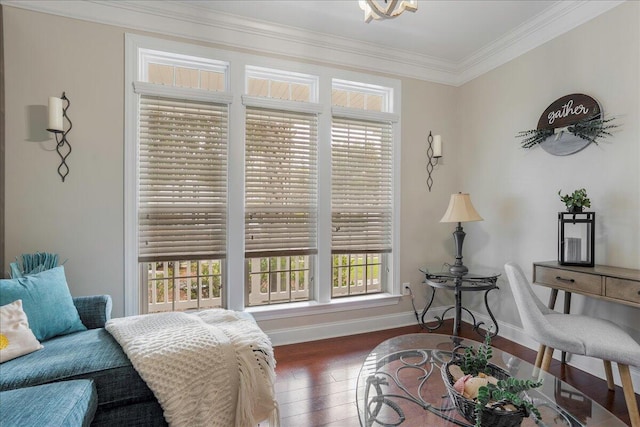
(437, 146)
(55, 115)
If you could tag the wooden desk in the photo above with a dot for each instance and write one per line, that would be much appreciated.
(615, 284)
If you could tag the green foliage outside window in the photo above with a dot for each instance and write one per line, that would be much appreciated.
(194, 279)
(356, 273)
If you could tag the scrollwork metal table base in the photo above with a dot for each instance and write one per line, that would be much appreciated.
(379, 403)
(459, 284)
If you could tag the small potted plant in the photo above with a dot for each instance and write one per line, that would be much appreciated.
(484, 393)
(576, 201)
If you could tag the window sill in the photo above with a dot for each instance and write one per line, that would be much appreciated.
(308, 308)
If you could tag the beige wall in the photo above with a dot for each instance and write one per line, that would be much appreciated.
(80, 219)
(516, 189)
(513, 189)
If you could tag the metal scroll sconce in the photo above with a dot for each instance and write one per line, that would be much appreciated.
(57, 115)
(434, 151)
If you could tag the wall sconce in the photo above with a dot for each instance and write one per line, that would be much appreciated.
(57, 114)
(434, 151)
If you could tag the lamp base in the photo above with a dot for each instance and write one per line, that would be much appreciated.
(458, 238)
(458, 269)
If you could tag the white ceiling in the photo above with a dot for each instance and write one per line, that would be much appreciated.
(450, 41)
(451, 31)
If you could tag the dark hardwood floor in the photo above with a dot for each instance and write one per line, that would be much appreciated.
(316, 381)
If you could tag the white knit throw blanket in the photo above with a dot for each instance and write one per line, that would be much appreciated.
(210, 368)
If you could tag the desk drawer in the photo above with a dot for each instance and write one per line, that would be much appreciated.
(626, 290)
(569, 280)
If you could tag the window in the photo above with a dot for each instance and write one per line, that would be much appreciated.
(182, 71)
(360, 96)
(254, 182)
(278, 279)
(280, 188)
(362, 190)
(355, 274)
(278, 84)
(182, 189)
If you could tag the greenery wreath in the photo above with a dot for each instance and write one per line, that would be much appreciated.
(589, 129)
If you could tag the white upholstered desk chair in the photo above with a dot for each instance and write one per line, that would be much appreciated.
(576, 334)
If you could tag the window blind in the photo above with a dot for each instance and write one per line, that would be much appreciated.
(182, 201)
(361, 206)
(280, 182)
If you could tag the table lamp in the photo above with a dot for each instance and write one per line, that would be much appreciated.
(460, 210)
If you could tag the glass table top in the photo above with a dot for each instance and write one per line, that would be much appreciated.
(400, 383)
(474, 273)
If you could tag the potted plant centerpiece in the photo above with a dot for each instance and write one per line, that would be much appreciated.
(484, 393)
(575, 201)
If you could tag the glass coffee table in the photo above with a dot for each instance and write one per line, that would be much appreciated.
(400, 384)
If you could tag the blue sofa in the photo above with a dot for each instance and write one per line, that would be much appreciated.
(63, 403)
(95, 359)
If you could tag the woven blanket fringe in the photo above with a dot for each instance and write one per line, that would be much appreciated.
(253, 349)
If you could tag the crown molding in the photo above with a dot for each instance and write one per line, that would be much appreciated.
(560, 18)
(194, 21)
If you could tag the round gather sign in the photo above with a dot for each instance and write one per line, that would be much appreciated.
(568, 125)
(560, 115)
(569, 110)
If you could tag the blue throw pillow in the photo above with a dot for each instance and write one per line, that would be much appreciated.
(46, 301)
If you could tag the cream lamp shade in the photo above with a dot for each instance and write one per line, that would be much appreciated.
(460, 209)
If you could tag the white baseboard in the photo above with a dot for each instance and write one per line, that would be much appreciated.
(321, 331)
(511, 332)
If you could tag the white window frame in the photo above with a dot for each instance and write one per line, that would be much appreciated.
(384, 116)
(321, 301)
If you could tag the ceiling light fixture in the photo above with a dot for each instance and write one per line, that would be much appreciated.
(374, 9)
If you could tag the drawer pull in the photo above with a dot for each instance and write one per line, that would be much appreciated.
(562, 279)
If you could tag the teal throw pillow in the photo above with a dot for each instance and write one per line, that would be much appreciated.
(46, 301)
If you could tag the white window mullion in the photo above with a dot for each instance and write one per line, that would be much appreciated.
(323, 283)
(235, 295)
(135, 285)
